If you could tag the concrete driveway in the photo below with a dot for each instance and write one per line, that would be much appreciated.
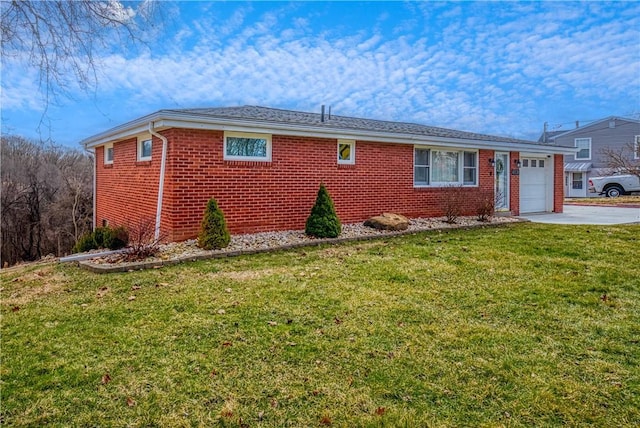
(578, 214)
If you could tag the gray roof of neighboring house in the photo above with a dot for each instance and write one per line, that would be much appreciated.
(553, 134)
(550, 135)
(272, 115)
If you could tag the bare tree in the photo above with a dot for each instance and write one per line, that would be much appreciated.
(46, 199)
(625, 160)
(63, 39)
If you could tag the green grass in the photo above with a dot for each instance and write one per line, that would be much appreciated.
(504, 326)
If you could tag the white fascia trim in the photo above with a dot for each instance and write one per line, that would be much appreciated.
(374, 136)
(164, 120)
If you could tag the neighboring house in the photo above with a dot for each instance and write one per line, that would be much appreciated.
(614, 133)
(264, 167)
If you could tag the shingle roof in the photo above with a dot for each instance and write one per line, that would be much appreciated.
(335, 122)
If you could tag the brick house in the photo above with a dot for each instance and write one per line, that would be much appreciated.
(264, 167)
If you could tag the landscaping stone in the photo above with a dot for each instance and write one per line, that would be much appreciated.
(388, 221)
(177, 252)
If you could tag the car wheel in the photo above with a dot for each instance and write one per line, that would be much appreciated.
(614, 191)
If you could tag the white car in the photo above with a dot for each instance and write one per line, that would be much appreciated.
(615, 185)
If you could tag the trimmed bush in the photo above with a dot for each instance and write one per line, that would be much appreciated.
(323, 222)
(213, 232)
(85, 243)
(102, 237)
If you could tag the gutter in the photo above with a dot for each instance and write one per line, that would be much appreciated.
(170, 119)
(163, 164)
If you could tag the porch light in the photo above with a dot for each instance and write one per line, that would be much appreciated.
(517, 163)
(492, 162)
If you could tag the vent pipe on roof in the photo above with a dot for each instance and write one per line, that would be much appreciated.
(322, 113)
(329, 113)
(577, 124)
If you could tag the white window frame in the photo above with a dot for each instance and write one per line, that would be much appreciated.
(576, 146)
(267, 137)
(352, 152)
(461, 167)
(141, 141)
(108, 147)
(636, 148)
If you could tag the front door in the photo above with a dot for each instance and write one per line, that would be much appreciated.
(576, 185)
(501, 172)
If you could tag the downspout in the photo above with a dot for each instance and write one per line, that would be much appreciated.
(95, 170)
(163, 164)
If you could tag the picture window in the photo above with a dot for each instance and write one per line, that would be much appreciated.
(245, 146)
(435, 167)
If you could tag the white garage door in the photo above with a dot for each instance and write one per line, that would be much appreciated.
(533, 185)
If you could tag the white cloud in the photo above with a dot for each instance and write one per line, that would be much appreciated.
(501, 71)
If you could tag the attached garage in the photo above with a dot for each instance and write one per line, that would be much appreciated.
(536, 184)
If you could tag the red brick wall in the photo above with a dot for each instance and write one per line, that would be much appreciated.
(265, 196)
(514, 186)
(558, 183)
(127, 190)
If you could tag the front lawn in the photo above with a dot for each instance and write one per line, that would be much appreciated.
(522, 325)
(621, 201)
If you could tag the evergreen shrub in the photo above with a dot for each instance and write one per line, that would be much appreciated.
(213, 231)
(323, 222)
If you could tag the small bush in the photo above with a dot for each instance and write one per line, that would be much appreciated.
(486, 206)
(323, 222)
(102, 237)
(142, 241)
(85, 243)
(454, 200)
(213, 232)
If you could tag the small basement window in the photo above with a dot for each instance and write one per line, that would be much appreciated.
(247, 146)
(144, 149)
(108, 154)
(346, 152)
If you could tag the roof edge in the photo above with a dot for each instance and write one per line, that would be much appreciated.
(164, 119)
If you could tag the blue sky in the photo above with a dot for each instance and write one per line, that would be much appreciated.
(500, 68)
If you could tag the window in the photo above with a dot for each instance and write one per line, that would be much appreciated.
(534, 163)
(421, 167)
(576, 182)
(144, 149)
(108, 154)
(469, 169)
(584, 144)
(245, 146)
(541, 163)
(346, 151)
(445, 167)
(636, 148)
(436, 167)
(525, 163)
